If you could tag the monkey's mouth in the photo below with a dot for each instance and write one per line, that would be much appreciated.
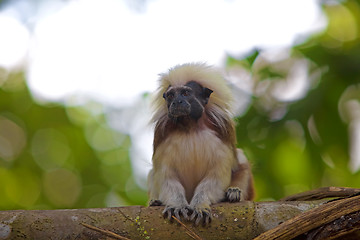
(176, 112)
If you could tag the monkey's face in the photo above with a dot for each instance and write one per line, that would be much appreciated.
(187, 101)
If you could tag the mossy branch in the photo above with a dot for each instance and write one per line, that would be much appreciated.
(244, 220)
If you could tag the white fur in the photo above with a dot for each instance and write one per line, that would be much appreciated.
(203, 74)
(195, 157)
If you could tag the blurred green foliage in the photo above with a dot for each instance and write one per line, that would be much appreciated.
(55, 156)
(304, 143)
(66, 156)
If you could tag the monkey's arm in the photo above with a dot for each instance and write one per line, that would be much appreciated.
(166, 188)
(210, 190)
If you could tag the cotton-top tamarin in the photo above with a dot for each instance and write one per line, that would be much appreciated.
(195, 159)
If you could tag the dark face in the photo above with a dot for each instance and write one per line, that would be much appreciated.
(188, 100)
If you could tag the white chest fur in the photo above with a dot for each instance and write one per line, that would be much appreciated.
(193, 156)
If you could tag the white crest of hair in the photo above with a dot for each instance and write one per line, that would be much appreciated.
(207, 76)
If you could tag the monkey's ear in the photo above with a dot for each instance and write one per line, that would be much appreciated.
(207, 93)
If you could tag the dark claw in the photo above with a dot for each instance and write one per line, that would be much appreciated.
(201, 215)
(184, 211)
(233, 194)
(176, 212)
(168, 212)
(155, 202)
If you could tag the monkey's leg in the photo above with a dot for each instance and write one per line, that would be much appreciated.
(153, 187)
(241, 186)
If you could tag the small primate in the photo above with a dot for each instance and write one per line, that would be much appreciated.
(195, 159)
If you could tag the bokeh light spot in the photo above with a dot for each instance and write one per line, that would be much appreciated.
(103, 138)
(12, 139)
(50, 148)
(25, 188)
(62, 187)
(342, 23)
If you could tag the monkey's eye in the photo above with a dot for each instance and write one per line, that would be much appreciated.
(170, 96)
(185, 93)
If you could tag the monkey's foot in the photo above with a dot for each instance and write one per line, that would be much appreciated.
(233, 194)
(201, 215)
(155, 202)
(179, 211)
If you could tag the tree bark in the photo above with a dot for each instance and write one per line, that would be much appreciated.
(331, 220)
(245, 220)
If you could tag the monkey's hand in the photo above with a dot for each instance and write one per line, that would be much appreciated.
(201, 214)
(177, 211)
(233, 194)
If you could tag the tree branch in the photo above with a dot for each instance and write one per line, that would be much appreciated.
(245, 220)
(314, 218)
